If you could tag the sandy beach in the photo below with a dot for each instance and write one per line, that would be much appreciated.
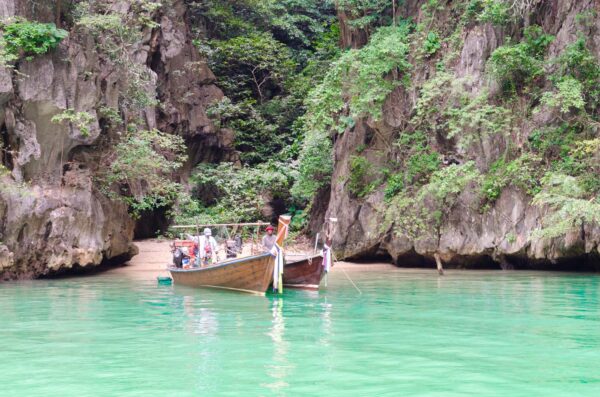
(155, 255)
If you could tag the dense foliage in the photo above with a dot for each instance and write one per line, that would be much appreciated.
(266, 55)
(22, 38)
(221, 193)
(142, 166)
(271, 58)
(447, 142)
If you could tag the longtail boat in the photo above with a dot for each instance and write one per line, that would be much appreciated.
(251, 274)
(307, 271)
(302, 271)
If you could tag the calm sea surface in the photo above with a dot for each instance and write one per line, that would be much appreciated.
(410, 333)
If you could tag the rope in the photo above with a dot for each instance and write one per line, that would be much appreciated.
(347, 276)
(358, 289)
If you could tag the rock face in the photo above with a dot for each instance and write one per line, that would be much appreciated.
(499, 236)
(52, 215)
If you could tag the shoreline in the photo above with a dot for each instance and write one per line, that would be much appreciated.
(154, 255)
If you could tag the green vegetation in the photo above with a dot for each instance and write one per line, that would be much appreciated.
(316, 166)
(267, 55)
(573, 208)
(359, 78)
(568, 95)
(80, 120)
(446, 107)
(221, 193)
(496, 12)
(290, 91)
(22, 38)
(368, 14)
(431, 44)
(362, 179)
(114, 34)
(517, 66)
(524, 172)
(140, 167)
(577, 63)
(139, 171)
(421, 214)
(419, 160)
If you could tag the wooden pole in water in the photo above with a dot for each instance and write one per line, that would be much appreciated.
(282, 233)
(438, 263)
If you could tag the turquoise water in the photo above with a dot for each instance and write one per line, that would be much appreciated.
(409, 333)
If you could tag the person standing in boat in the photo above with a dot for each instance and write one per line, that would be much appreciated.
(207, 247)
(269, 239)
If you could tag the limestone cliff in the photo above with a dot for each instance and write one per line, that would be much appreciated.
(53, 216)
(500, 235)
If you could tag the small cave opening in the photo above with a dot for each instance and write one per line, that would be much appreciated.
(583, 263)
(6, 158)
(278, 207)
(375, 254)
(151, 223)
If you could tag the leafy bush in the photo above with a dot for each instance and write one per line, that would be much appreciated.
(474, 118)
(81, 120)
(315, 166)
(253, 64)
(447, 183)
(257, 138)
(140, 170)
(225, 193)
(445, 107)
(24, 38)
(360, 77)
(298, 23)
(554, 143)
(496, 12)
(418, 162)
(361, 177)
(395, 185)
(431, 44)
(515, 66)
(366, 14)
(524, 172)
(421, 165)
(577, 62)
(423, 213)
(583, 161)
(572, 206)
(569, 95)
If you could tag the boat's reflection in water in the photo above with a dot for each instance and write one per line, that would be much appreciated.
(229, 329)
(286, 331)
(279, 368)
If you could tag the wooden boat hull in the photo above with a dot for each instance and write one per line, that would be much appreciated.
(252, 274)
(303, 273)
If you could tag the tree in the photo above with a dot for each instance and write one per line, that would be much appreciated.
(257, 62)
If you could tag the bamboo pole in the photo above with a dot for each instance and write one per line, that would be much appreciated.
(218, 225)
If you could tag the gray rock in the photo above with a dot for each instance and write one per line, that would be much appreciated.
(467, 236)
(53, 218)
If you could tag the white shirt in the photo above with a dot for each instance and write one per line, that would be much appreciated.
(202, 245)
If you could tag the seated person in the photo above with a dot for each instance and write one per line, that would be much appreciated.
(269, 239)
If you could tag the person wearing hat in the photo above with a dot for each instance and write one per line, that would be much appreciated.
(207, 247)
(269, 239)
